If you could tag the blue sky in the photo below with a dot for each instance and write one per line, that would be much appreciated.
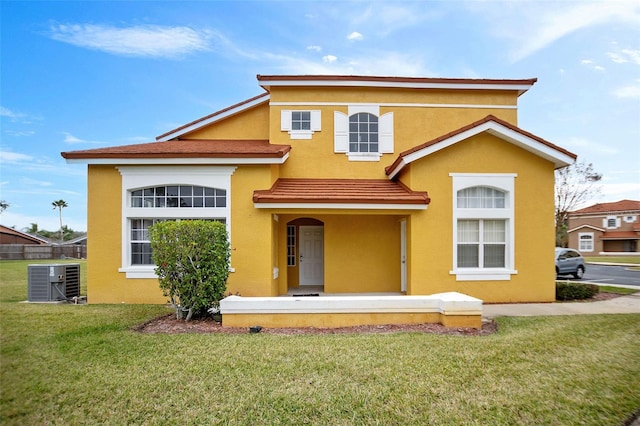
(89, 74)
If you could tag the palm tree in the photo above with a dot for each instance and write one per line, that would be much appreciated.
(3, 205)
(60, 204)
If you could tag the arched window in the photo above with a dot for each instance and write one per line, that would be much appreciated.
(183, 196)
(483, 226)
(481, 197)
(363, 132)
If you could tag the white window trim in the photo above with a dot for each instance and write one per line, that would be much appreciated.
(285, 124)
(605, 222)
(630, 219)
(385, 132)
(136, 177)
(504, 182)
(591, 240)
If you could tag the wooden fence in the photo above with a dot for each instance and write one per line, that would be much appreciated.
(35, 252)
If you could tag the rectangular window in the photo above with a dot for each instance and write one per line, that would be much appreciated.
(140, 244)
(300, 124)
(611, 222)
(481, 243)
(291, 245)
(585, 241)
(300, 120)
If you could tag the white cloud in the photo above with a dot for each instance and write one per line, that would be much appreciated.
(532, 26)
(19, 133)
(143, 40)
(14, 157)
(72, 140)
(34, 182)
(314, 48)
(329, 59)
(632, 91)
(17, 117)
(624, 56)
(355, 36)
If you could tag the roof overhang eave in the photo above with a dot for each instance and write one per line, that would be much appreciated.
(180, 161)
(339, 206)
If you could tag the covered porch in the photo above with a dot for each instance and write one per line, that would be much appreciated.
(340, 236)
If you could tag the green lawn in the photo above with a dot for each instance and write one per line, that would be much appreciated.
(82, 364)
(634, 260)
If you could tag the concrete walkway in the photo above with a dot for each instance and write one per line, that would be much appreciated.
(629, 304)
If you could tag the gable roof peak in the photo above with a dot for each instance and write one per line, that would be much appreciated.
(496, 127)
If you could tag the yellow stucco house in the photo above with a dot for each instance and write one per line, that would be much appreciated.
(386, 187)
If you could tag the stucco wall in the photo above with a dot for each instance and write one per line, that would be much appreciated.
(431, 245)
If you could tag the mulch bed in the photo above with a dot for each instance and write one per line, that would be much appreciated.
(168, 324)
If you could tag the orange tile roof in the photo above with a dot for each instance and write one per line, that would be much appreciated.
(187, 148)
(620, 235)
(484, 120)
(351, 191)
(617, 206)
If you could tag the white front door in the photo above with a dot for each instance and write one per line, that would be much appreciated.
(311, 255)
(403, 255)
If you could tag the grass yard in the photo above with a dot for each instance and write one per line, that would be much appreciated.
(632, 260)
(82, 364)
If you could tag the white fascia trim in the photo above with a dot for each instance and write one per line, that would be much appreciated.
(595, 228)
(180, 161)
(215, 118)
(400, 84)
(340, 206)
(397, 105)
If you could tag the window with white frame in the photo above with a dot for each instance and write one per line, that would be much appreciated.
(483, 226)
(611, 222)
(630, 219)
(585, 241)
(300, 124)
(291, 245)
(363, 133)
(152, 194)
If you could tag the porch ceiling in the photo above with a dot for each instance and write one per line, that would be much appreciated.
(333, 192)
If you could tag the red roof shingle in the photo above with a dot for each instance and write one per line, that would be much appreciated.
(351, 191)
(617, 206)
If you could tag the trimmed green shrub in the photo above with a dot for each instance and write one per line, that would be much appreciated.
(192, 263)
(575, 291)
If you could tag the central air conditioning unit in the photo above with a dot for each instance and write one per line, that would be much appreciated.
(53, 282)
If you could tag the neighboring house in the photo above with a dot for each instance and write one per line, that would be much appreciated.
(340, 184)
(13, 236)
(606, 228)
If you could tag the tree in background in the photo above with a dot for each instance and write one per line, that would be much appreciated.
(3, 206)
(192, 262)
(60, 204)
(575, 184)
